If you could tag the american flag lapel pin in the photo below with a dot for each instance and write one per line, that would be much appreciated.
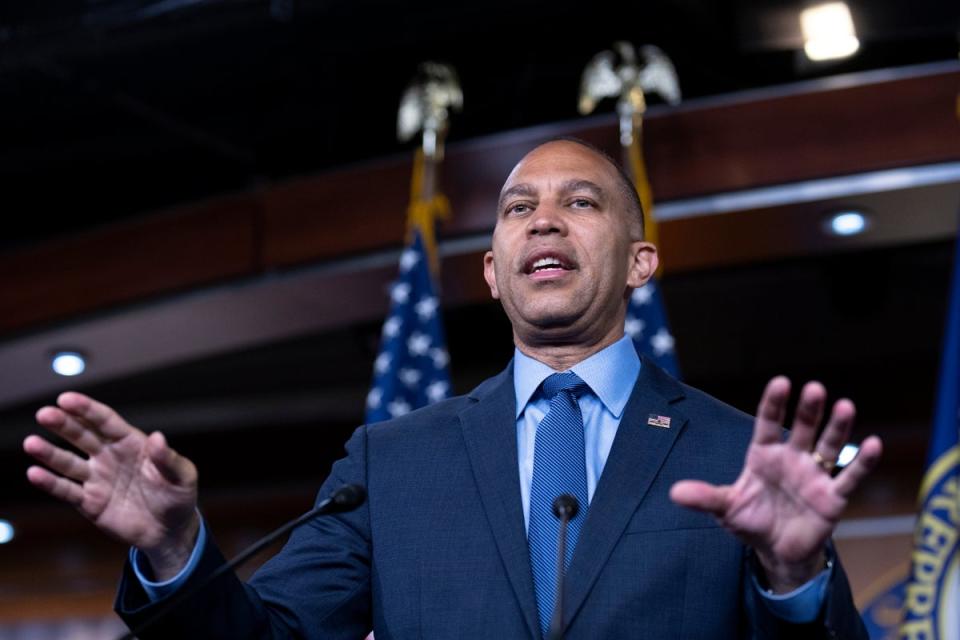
(662, 422)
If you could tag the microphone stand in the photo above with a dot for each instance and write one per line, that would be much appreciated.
(565, 507)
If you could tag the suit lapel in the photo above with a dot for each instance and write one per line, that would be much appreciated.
(636, 456)
(490, 430)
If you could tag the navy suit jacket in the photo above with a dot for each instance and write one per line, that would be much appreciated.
(439, 549)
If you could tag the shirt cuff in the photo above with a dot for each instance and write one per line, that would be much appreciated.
(158, 590)
(802, 605)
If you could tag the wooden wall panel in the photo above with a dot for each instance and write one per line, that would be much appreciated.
(123, 263)
(741, 144)
(706, 146)
(317, 218)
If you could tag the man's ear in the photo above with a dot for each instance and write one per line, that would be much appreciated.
(643, 264)
(490, 274)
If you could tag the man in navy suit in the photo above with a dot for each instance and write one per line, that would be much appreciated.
(673, 543)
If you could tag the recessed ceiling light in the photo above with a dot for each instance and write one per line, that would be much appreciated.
(6, 532)
(68, 363)
(846, 223)
(828, 31)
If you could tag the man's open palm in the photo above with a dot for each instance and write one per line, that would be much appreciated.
(130, 485)
(785, 503)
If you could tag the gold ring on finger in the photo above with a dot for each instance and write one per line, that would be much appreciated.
(824, 463)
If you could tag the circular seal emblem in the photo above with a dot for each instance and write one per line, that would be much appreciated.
(932, 600)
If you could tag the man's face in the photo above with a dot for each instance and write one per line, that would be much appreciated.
(566, 248)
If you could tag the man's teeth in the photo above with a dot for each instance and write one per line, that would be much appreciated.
(547, 263)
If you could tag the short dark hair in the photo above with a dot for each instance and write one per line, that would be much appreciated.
(624, 181)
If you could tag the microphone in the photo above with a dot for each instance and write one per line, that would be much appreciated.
(346, 498)
(565, 507)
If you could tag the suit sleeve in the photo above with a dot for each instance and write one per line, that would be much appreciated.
(838, 617)
(318, 586)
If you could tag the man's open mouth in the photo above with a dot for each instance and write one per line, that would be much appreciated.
(548, 262)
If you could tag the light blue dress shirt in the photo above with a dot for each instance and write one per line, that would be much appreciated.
(611, 375)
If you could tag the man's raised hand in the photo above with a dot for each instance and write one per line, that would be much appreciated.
(132, 486)
(785, 503)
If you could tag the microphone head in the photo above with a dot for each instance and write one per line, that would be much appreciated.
(565, 506)
(347, 497)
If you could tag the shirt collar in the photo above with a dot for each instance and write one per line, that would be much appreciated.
(610, 373)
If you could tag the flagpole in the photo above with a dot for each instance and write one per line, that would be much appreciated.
(425, 109)
(603, 77)
(411, 369)
(633, 160)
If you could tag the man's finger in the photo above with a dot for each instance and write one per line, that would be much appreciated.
(58, 487)
(174, 467)
(702, 496)
(807, 418)
(849, 479)
(771, 411)
(837, 431)
(102, 418)
(65, 463)
(70, 429)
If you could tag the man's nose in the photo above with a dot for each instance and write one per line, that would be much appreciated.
(547, 219)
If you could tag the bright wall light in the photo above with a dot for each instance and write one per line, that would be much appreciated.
(828, 31)
(6, 532)
(68, 363)
(846, 223)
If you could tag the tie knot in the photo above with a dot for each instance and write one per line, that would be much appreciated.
(566, 381)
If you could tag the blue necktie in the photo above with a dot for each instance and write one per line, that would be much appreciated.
(559, 466)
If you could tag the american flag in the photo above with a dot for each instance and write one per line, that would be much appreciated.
(646, 323)
(412, 367)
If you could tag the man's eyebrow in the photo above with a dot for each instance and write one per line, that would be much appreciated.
(583, 185)
(523, 189)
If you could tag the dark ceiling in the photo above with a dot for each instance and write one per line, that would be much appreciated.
(116, 107)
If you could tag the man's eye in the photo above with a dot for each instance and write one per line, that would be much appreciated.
(582, 203)
(519, 208)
